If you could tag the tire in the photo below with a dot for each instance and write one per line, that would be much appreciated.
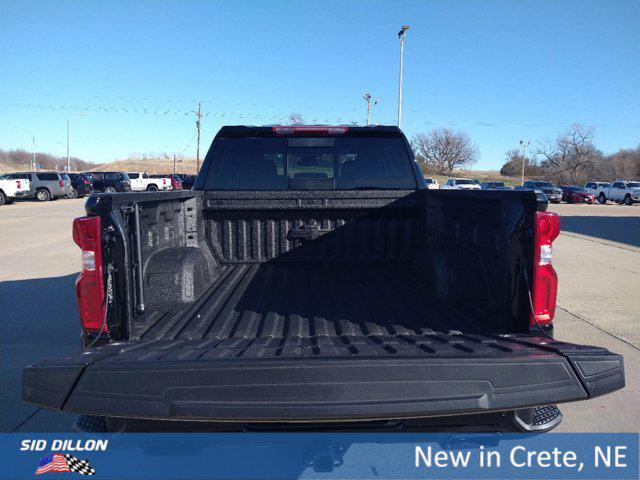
(628, 200)
(152, 188)
(74, 193)
(110, 190)
(602, 199)
(43, 195)
(3, 199)
(569, 199)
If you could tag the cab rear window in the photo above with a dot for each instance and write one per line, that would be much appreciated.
(340, 163)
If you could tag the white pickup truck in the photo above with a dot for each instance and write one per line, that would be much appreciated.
(12, 189)
(597, 188)
(141, 182)
(621, 191)
(461, 184)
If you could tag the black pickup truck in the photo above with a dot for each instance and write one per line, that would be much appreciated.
(311, 278)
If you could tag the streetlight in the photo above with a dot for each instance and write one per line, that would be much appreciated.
(524, 157)
(401, 35)
(68, 156)
(33, 150)
(367, 98)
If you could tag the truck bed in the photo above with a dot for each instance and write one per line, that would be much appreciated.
(329, 303)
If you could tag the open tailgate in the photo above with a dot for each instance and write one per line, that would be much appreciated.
(315, 379)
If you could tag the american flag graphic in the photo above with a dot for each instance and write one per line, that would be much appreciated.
(57, 462)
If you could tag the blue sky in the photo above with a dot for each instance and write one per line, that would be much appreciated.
(500, 70)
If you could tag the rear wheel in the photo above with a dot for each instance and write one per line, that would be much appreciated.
(74, 193)
(3, 198)
(152, 188)
(602, 199)
(628, 200)
(43, 195)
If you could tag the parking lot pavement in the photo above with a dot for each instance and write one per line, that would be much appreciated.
(597, 257)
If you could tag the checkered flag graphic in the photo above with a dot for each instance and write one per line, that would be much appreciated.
(83, 467)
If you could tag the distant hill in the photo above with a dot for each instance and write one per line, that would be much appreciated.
(20, 161)
(148, 165)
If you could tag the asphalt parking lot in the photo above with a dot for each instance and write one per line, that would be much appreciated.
(597, 257)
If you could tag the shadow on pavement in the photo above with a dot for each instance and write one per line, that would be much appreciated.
(616, 229)
(39, 321)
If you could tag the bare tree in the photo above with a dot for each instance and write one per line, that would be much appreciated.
(571, 156)
(442, 150)
(295, 119)
(513, 164)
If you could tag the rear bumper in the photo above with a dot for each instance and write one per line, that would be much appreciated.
(134, 382)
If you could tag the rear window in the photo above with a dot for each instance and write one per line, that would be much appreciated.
(341, 163)
(133, 175)
(47, 176)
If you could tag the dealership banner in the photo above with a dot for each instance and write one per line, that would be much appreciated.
(322, 455)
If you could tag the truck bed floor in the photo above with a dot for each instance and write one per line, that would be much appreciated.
(311, 300)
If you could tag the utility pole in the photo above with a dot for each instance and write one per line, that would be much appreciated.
(68, 157)
(33, 162)
(199, 116)
(174, 163)
(401, 35)
(367, 98)
(524, 157)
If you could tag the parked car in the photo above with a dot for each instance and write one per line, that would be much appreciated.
(10, 189)
(176, 181)
(621, 191)
(267, 296)
(110, 182)
(493, 186)
(141, 181)
(461, 184)
(552, 191)
(81, 185)
(596, 187)
(575, 194)
(432, 184)
(44, 186)
(187, 181)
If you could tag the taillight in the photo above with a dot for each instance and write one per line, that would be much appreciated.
(90, 284)
(19, 184)
(60, 183)
(310, 130)
(545, 280)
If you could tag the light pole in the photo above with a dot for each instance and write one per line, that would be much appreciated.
(68, 156)
(524, 157)
(33, 143)
(367, 98)
(401, 35)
